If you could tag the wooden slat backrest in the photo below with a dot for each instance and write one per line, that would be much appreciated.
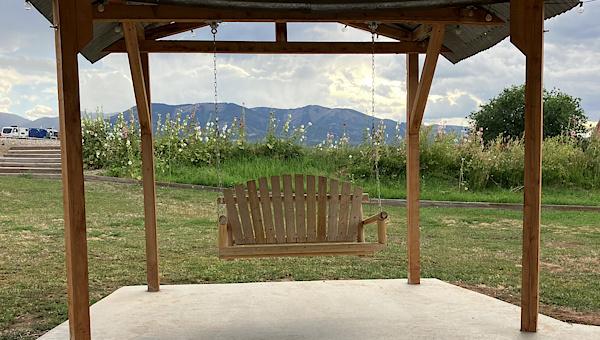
(288, 202)
(322, 212)
(311, 209)
(259, 231)
(263, 188)
(344, 211)
(233, 218)
(355, 215)
(332, 223)
(294, 217)
(278, 209)
(240, 194)
(300, 210)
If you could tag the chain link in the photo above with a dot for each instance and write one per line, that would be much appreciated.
(214, 26)
(373, 27)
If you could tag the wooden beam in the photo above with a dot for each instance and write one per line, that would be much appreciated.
(67, 48)
(166, 13)
(139, 78)
(281, 32)
(412, 174)
(85, 24)
(172, 29)
(518, 23)
(384, 30)
(533, 46)
(597, 133)
(259, 47)
(422, 32)
(433, 52)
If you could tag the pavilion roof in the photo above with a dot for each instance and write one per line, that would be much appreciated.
(471, 40)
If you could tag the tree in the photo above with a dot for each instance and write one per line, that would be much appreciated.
(505, 114)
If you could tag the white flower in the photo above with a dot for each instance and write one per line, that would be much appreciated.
(350, 156)
(130, 162)
(128, 142)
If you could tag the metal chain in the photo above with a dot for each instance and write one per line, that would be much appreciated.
(213, 26)
(373, 26)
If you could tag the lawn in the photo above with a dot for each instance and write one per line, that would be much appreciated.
(479, 249)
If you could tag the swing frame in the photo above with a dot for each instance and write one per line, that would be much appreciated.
(74, 21)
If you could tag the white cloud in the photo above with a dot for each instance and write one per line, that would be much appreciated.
(40, 111)
(5, 104)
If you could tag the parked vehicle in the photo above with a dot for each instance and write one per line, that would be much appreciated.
(15, 132)
(52, 133)
(38, 133)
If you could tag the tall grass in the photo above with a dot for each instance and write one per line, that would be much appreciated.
(187, 152)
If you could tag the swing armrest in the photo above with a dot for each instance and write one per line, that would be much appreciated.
(381, 232)
(382, 216)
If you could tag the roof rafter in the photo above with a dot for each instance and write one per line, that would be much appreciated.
(172, 29)
(165, 13)
(384, 30)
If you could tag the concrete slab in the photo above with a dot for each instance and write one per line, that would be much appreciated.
(359, 309)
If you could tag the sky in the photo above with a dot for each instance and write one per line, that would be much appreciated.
(28, 71)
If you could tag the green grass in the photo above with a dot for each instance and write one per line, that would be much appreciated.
(480, 248)
(433, 186)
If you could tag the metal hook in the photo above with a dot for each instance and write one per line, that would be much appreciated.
(373, 25)
(214, 24)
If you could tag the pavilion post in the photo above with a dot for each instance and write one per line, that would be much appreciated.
(140, 76)
(417, 93)
(71, 34)
(412, 174)
(527, 33)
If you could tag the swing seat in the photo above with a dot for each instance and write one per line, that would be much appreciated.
(264, 224)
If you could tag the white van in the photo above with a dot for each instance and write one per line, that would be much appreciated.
(15, 132)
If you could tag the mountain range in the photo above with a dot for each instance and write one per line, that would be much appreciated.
(323, 121)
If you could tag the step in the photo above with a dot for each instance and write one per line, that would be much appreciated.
(35, 151)
(36, 147)
(22, 169)
(28, 160)
(29, 165)
(33, 155)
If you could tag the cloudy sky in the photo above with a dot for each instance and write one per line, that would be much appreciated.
(28, 71)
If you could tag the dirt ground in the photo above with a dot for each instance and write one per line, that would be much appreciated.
(7, 143)
(558, 312)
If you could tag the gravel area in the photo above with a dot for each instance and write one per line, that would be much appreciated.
(7, 143)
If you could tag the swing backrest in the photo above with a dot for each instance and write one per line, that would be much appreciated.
(300, 213)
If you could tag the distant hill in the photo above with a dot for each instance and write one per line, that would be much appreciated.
(324, 120)
(9, 119)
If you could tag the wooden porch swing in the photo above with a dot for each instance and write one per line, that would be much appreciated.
(273, 225)
(296, 224)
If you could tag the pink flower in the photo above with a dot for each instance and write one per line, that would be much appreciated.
(423, 165)
(140, 148)
(480, 129)
(572, 133)
(480, 140)
(92, 133)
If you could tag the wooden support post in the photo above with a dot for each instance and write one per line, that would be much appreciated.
(527, 34)
(412, 174)
(141, 88)
(67, 48)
